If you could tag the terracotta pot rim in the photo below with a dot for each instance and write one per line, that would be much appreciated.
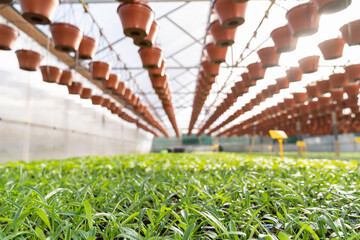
(297, 7)
(9, 27)
(153, 47)
(90, 38)
(49, 66)
(69, 25)
(29, 51)
(308, 57)
(127, 3)
(99, 62)
(278, 29)
(331, 39)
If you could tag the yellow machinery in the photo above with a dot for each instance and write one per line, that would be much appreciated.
(280, 136)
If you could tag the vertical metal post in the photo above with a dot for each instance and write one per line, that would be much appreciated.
(252, 140)
(299, 137)
(336, 137)
(281, 148)
(261, 142)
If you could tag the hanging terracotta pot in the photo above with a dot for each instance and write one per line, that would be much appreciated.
(75, 88)
(87, 48)
(256, 71)
(38, 12)
(51, 74)
(332, 48)
(106, 103)
(351, 102)
(300, 97)
(331, 6)
(97, 100)
(86, 93)
(324, 86)
(208, 80)
(283, 39)
(159, 82)
(337, 94)
(223, 37)
(231, 14)
(28, 60)
(112, 83)
(151, 57)
(312, 91)
(246, 80)
(100, 70)
(149, 40)
(303, 20)
(8, 36)
(353, 72)
(289, 103)
(211, 70)
(273, 89)
(269, 57)
(338, 80)
(314, 105)
(67, 37)
(158, 72)
(323, 101)
(120, 89)
(294, 74)
(309, 64)
(136, 18)
(66, 78)
(282, 83)
(128, 94)
(216, 55)
(352, 89)
(351, 32)
(5, 1)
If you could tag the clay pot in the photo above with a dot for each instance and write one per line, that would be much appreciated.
(351, 102)
(51, 74)
(300, 97)
(312, 91)
(313, 105)
(246, 80)
(136, 18)
(5, 1)
(75, 88)
(303, 20)
(323, 86)
(208, 80)
(128, 94)
(283, 39)
(223, 37)
(216, 55)
(210, 70)
(158, 72)
(159, 82)
(332, 48)
(97, 100)
(338, 80)
(352, 89)
(67, 37)
(353, 72)
(337, 94)
(282, 83)
(231, 14)
(149, 40)
(289, 103)
(86, 93)
(8, 36)
(106, 103)
(323, 101)
(112, 82)
(309, 64)
(66, 78)
(120, 89)
(273, 89)
(331, 6)
(256, 71)
(38, 12)
(28, 60)
(87, 48)
(151, 57)
(269, 57)
(294, 74)
(351, 32)
(100, 70)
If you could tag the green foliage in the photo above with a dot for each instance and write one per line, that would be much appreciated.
(186, 196)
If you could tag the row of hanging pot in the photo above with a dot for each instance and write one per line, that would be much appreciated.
(285, 37)
(138, 21)
(313, 117)
(331, 49)
(66, 38)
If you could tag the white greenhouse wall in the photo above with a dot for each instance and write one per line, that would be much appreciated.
(42, 121)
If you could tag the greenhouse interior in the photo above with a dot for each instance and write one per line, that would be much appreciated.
(179, 119)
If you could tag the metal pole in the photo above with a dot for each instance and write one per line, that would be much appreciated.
(336, 137)
(299, 137)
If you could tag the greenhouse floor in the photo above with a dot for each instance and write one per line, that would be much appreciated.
(184, 196)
